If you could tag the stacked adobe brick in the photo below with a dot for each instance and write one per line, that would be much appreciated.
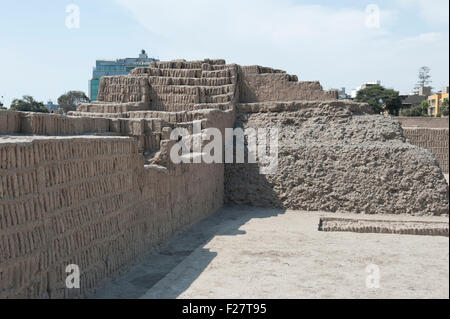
(89, 201)
(434, 139)
(70, 195)
(166, 94)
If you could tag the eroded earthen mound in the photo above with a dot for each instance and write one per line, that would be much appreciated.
(333, 157)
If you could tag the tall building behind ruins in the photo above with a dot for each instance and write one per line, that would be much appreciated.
(115, 67)
(97, 188)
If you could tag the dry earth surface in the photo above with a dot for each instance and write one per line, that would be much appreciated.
(269, 253)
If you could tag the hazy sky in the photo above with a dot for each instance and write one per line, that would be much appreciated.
(335, 42)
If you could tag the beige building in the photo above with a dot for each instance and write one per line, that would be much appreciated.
(436, 100)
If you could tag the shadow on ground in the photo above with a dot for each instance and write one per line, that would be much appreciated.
(141, 277)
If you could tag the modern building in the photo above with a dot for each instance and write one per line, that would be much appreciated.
(51, 106)
(364, 86)
(425, 90)
(412, 100)
(342, 94)
(416, 98)
(436, 100)
(115, 67)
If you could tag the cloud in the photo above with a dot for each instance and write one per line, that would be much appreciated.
(424, 38)
(313, 41)
(433, 11)
(251, 26)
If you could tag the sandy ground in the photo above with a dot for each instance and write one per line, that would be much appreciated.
(267, 253)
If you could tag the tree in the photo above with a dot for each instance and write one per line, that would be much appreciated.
(380, 99)
(28, 104)
(443, 110)
(423, 78)
(418, 110)
(69, 101)
(1, 106)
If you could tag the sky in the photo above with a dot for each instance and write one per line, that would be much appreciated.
(340, 43)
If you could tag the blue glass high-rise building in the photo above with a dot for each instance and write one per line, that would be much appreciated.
(115, 67)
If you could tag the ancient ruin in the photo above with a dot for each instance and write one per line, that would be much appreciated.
(97, 188)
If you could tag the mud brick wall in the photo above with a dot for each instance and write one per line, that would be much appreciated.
(434, 139)
(101, 115)
(425, 122)
(124, 89)
(145, 127)
(168, 86)
(175, 90)
(89, 201)
(9, 122)
(182, 117)
(177, 86)
(258, 84)
(57, 198)
(146, 131)
(173, 199)
(106, 107)
(49, 124)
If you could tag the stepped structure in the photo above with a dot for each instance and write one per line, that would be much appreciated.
(97, 188)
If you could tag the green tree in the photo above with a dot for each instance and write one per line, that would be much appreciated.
(69, 101)
(380, 99)
(1, 106)
(418, 110)
(423, 79)
(28, 104)
(443, 110)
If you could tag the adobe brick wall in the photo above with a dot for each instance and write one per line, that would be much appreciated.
(12, 122)
(260, 84)
(434, 139)
(124, 89)
(89, 201)
(430, 133)
(426, 122)
(144, 126)
(186, 86)
(169, 87)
